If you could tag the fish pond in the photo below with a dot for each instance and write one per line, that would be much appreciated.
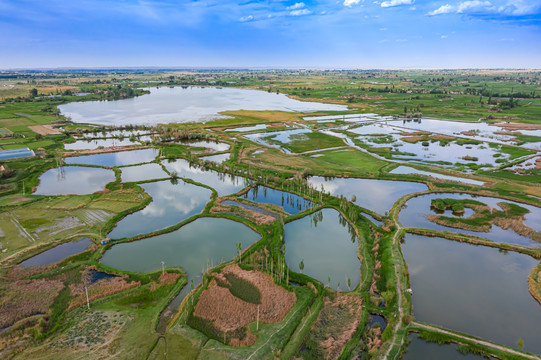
(211, 240)
(73, 180)
(376, 195)
(92, 144)
(419, 349)
(172, 202)
(327, 246)
(291, 203)
(224, 184)
(120, 158)
(473, 289)
(143, 172)
(409, 170)
(58, 253)
(179, 104)
(218, 159)
(415, 213)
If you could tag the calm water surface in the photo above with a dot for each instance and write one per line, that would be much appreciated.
(376, 195)
(409, 170)
(224, 184)
(328, 247)
(191, 246)
(76, 180)
(58, 253)
(220, 158)
(143, 172)
(419, 349)
(414, 215)
(291, 203)
(473, 289)
(171, 203)
(120, 158)
(180, 105)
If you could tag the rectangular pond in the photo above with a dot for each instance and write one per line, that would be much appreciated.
(179, 105)
(92, 144)
(473, 289)
(74, 180)
(120, 158)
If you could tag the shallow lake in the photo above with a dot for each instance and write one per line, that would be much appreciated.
(376, 195)
(291, 203)
(73, 180)
(191, 246)
(120, 158)
(224, 184)
(328, 247)
(414, 215)
(171, 203)
(58, 253)
(473, 289)
(180, 105)
(143, 172)
(419, 349)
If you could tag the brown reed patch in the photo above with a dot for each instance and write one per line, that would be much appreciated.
(228, 313)
(24, 298)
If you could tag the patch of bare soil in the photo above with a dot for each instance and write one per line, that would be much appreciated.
(229, 313)
(518, 126)
(44, 129)
(24, 298)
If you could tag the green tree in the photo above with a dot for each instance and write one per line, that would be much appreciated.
(301, 265)
(520, 344)
(34, 92)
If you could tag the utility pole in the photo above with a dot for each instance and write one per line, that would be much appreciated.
(87, 302)
(257, 324)
(163, 267)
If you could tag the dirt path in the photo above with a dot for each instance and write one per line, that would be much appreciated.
(476, 341)
(397, 266)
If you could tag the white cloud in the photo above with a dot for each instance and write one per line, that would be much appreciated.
(391, 3)
(501, 7)
(247, 18)
(350, 3)
(296, 6)
(300, 12)
(383, 29)
(444, 36)
(444, 9)
(473, 4)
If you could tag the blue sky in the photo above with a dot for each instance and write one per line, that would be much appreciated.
(272, 33)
